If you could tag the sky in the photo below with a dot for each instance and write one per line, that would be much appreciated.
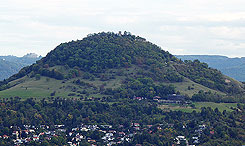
(182, 27)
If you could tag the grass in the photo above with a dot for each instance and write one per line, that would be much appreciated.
(198, 106)
(220, 106)
(183, 87)
(30, 87)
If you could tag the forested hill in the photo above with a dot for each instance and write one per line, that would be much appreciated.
(124, 65)
(107, 50)
(10, 65)
(232, 67)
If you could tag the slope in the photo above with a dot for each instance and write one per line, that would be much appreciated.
(119, 65)
(233, 67)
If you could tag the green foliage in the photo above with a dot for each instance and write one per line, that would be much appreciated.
(227, 126)
(106, 50)
(115, 58)
(38, 76)
(213, 97)
(141, 87)
(204, 75)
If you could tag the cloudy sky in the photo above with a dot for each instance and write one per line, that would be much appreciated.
(179, 26)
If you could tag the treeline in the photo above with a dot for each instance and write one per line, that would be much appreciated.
(214, 97)
(140, 87)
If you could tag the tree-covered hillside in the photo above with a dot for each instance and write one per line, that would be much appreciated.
(124, 65)
(107, 50)
(232, 67)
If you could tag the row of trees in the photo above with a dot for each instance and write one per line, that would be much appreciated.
(140, 87)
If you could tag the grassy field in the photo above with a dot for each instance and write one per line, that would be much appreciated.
(198, 106)
(220, 106)
(30, 87)
(195, 88)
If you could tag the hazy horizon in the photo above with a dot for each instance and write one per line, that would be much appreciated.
(172, 54)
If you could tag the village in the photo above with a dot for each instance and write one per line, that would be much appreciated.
(94, 134)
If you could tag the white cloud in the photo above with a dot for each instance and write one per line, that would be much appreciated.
(184, 26)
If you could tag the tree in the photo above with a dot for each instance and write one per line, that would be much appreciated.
(37, 76)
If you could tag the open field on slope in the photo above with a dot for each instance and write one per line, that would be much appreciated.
(195, 88)
(32, 88)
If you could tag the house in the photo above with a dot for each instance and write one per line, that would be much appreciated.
(62, 130)
(121, 133)
(70, 133)
(35, 137)
(5, 136)
(111, 143)
(107, 126)
(26, 131)
(15, 133)
(42, 133)
(18, 141)
(112, 131)
(32, 130)
(59, 126)
(202, 127)
(48, 133)
(102, 131)
(180, 138)
(131, 135)
(74, 129)
(135, 124)
(212, 132)
(149, 126)
(196, 141)
(170, 125)
(156, 98)
(109, 134)
(138, 98)
(91, 141)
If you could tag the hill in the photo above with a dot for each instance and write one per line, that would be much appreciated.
(114, 65)
(232, 67)
(10, 65)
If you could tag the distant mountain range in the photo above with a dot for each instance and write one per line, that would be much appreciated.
(232, 67)
(10, 65)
